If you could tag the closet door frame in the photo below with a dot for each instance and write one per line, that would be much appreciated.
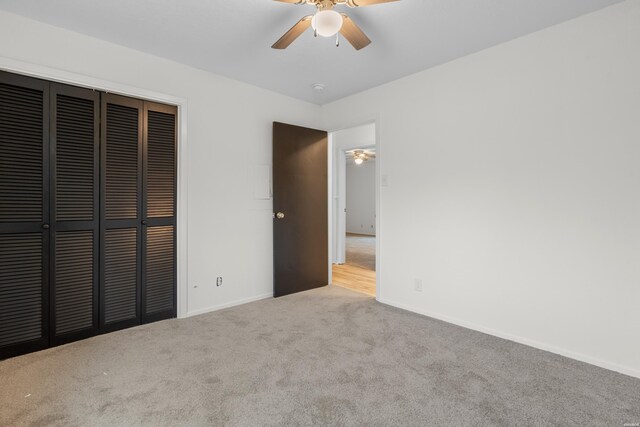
(56, 226)
(15, 66)
(49, 226)
(105, 224)
(42, 227)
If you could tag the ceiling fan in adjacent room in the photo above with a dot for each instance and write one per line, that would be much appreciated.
(327, 22)
(360, 156)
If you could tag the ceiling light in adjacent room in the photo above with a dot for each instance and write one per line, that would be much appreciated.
(359, 156)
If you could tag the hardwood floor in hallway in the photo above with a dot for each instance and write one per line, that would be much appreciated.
(355, 278)
(358, 273)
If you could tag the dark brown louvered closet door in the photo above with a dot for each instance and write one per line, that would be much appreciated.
(121, 212)
(24, 214)
(75, 207)
(87, 213)
(159, 211)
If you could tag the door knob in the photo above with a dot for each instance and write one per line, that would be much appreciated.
(45, 226)
(280, 215)
(144, 222)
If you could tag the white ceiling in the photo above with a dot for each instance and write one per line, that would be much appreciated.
(233, 37)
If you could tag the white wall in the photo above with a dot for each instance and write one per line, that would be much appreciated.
(514, 188)
(229, 132)
(361, 198)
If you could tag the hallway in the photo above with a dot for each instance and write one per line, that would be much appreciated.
(358, 273)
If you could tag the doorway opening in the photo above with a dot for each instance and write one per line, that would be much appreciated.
(354, 207)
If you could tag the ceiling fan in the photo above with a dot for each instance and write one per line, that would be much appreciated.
(361, 156)
(327, 22)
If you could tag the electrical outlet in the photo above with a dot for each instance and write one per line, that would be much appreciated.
(418, 285)
(219, 281)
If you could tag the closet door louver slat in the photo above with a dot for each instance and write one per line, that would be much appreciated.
(159, 269)
(120, 275)
(20, 288)
(74, 259)
(21, 149)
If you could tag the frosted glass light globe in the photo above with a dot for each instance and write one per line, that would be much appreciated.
(326, 23)
(359, 161)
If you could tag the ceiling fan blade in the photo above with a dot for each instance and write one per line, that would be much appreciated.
(292, 1)
(362, 3)
(295, 32)
(353, 33)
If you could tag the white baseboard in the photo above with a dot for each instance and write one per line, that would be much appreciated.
(228, 304)
(531, 343)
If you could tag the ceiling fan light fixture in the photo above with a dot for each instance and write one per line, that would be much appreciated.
(358, 160)
(327, 23)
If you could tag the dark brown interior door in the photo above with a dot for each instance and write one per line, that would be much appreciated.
(300, 224)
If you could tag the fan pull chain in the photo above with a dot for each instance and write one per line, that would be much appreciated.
(337, 39)
(315, 33)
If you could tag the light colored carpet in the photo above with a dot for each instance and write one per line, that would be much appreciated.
(324, 357)
(361, 251)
